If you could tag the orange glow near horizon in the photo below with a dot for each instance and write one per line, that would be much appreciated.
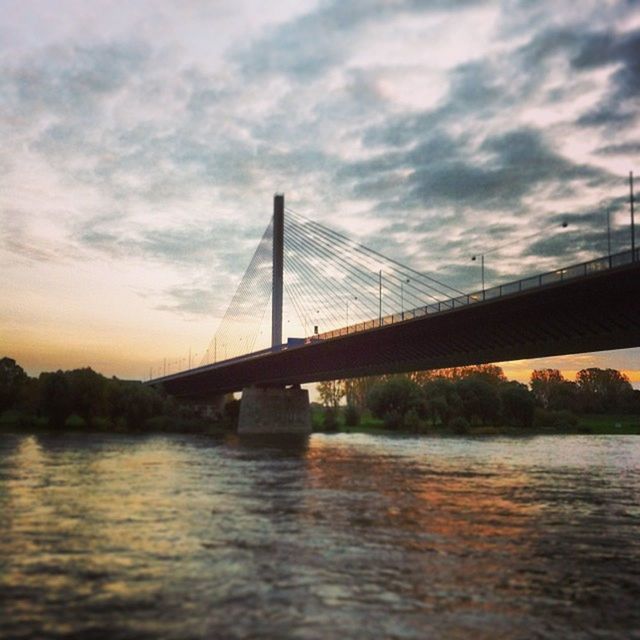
(523, 373)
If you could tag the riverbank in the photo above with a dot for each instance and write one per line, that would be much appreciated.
(587, 424)
(16, 421)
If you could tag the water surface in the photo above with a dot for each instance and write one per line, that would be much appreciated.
(346, 536)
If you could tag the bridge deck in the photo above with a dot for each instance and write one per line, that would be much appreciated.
(588, 307)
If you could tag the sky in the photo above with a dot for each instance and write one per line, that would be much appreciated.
(142, 143)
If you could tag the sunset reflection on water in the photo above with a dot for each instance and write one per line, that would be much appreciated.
(347, 535)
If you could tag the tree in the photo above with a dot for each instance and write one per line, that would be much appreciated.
(518, 405)
(331, 392)
(55, 398)
(351, 415)
(391, 400)
(602, 390)
(12, 383)
(357, 390)
(88, 393)
(551, 390)
(134, 403)
(480, 401)
(491, 373)
(443, 403)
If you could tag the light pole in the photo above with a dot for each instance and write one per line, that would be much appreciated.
(564, 225)
(380, 298)
(347, 303)
(633, 225)
(482, 270)
(402, 283)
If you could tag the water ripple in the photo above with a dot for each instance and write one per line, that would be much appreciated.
(346, 536)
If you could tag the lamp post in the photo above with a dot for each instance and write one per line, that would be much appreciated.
(564, 225)
(402, 283)
(347, 304)
(633, 225)
(380, 298)
(481, 269)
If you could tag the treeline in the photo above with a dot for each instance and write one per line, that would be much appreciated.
(465, 397)
(84, 399)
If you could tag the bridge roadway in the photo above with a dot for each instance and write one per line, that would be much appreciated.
(590, 307)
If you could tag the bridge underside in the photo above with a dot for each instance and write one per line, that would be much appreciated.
(596, 313)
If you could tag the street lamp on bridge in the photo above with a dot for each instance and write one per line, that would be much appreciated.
(347, 304)
(564, 225)
(402, 283)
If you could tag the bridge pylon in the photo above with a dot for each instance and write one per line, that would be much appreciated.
(278, 270)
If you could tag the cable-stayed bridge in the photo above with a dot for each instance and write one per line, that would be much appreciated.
(385, 317)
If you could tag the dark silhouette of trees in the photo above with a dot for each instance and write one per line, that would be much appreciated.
(552, 391)
(480, 400)
(55, 398)
(393, 399)
(518, 405)
(331, 392)
(351, 415)
(601, 390)
(93, 400)
(357, 390)
(443, 403)
(88, 393)
(13, 380)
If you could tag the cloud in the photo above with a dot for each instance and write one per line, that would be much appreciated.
(192, 301)
(623, 149)
(170, 154)
(621, 51)
(315, 42)
(496, 174)
(70, 79)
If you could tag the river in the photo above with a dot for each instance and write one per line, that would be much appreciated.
(343, 536)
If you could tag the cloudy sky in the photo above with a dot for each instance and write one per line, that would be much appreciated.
(142, 143)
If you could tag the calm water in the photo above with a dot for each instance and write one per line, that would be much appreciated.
(348, 536)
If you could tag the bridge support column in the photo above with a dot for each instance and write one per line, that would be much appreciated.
(278, 266)
(274, 410)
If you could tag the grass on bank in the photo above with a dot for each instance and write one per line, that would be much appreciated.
(595, 424)
(17, 420)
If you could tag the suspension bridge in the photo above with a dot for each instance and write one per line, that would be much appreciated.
(384, 317)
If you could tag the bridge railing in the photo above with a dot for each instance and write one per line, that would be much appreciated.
(544, 279)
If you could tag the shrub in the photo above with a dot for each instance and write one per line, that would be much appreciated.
(395, 396)
(412, 421)
(330, 420)
(546, 419)
(460, 425)
(74, 421)
(102, 424)
(480, 401)
(518, 405)
(351, 415)
(393, 420)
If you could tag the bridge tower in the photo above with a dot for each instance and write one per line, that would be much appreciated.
(278, 268)
(275, 409)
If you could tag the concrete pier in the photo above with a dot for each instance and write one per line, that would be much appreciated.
(274, 410)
